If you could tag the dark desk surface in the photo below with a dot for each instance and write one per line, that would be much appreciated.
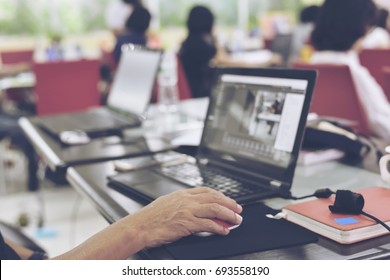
(59, 157)
(90, 180)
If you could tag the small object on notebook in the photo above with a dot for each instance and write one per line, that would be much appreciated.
(278, 216)
(222, 223)
(74, 137)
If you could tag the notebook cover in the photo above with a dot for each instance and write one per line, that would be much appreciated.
(377, 203)
(256, 233)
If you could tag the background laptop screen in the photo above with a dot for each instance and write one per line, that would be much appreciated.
(134, 80)
(256, 120)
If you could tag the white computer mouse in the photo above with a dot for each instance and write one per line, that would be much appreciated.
(223, 223)
(74, 137)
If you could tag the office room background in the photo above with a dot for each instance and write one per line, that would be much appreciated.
(43, 205)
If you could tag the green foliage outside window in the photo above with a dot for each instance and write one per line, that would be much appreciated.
(37, 17)
(171, 15)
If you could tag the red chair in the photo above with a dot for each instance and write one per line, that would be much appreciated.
(182, 82)
(183, 86)
(335, 94)
(386, 81)
(66, 86)
(375, 60)
(15, 57)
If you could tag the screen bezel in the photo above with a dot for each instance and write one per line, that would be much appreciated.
(259, 169)
(137, 48)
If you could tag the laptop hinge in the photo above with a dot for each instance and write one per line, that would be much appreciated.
(265, 180)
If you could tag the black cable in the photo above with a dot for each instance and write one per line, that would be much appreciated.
(320, 193)
(376, 220)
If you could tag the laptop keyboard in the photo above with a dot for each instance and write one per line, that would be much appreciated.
(197, 175)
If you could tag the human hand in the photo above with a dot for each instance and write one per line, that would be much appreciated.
(185, 212)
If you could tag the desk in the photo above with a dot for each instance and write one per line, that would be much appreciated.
(91, 182)
(20, 81)
(59, 157)
(259, 58)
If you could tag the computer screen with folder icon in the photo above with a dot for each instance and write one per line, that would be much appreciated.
(250, 142)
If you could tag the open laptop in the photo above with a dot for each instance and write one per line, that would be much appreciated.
(127, 102)
(250, 142)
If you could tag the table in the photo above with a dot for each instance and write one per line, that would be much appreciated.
(91, 182)
(19, 81)
(59, 157)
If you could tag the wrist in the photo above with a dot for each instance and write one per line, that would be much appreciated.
(136, 233)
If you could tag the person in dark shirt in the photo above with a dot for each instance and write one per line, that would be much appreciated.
(136, 26)
(198, 49)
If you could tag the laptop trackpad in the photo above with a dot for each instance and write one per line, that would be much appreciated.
(149, 183)
(159, 188)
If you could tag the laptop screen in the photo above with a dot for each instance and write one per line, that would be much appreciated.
(134, 80)
(256, 122)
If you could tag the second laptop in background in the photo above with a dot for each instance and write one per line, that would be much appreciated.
(127, 102)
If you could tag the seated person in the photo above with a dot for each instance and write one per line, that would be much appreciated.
(10, 128)
(165, 220)
(379, 36)
(118, 12)
(337, 40)
(136, 26)
(197, 50)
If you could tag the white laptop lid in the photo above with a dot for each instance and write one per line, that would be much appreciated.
(134, 79)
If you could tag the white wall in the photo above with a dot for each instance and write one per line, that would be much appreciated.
(383, 3)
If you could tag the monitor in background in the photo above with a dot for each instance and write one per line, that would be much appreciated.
(134, 79)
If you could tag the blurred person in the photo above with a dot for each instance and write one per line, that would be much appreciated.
(337, 36)
(198, 49)
(136, 28)
(303, 30)
(9, 127)
(379, 36)
(163, 221)
(118, 12)
(55, 50)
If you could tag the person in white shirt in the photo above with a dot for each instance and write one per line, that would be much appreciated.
(379, 36)
(337, 37)
(118, 12)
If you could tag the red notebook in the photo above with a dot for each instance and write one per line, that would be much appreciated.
(316, 216)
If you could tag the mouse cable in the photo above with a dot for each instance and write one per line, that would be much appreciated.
(320, 193)
(376, 220)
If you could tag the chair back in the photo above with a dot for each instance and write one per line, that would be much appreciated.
(15, 57)
(335, 94)
(183, 87)
(375, 60)
(182, 81)
(66, 86)
(386, 81)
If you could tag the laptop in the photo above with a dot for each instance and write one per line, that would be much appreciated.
(127, 101)
(250, 142)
